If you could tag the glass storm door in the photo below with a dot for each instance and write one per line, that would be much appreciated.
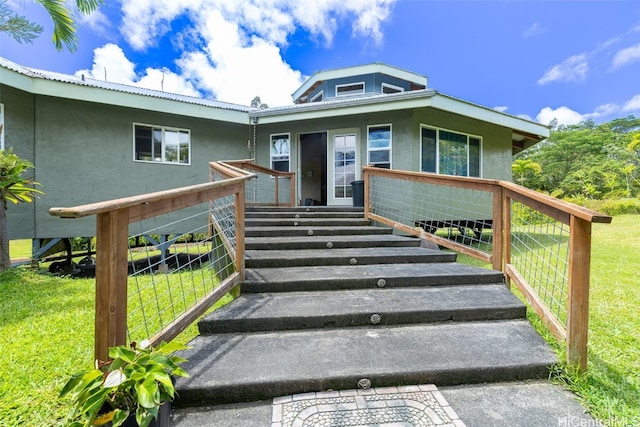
(345, 168)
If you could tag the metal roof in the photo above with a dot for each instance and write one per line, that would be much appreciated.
(525, 132)
(119, 87)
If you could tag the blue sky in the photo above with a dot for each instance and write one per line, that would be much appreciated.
(570, 60)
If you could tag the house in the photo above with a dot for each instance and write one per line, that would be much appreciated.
(93, 140)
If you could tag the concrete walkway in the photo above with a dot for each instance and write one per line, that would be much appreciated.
(513, 404)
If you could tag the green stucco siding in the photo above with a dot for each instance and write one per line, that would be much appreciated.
(84, 154)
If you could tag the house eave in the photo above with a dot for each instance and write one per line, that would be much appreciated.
(75, 88)
(427, 98)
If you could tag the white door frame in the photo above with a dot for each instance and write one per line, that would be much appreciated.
(331, 169)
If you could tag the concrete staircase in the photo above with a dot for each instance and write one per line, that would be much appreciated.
(331, 302)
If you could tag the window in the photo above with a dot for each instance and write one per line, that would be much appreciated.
(280, 152)
(450, 153)
(350, 89)
(317, 97)
(161, 144)
(389, 88)
(1, 126)
(379, 146)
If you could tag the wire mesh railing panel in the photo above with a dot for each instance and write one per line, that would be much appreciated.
(540, 254)
(284, 190)
(175, 260)
(463, 215)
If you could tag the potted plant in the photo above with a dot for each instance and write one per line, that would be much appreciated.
(136, 383)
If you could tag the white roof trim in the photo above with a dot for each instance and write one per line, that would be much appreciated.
(398, 101)
(48, 83)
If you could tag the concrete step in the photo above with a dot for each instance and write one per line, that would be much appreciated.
(362, 307)
(297, 209)
(304, 214)
(255, 366)
(346, 256)
(306, 222)
(314, 231)
(321, 278)
(330, 241)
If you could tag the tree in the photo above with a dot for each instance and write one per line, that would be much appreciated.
(594, 160)
(522, 166)
(64, 27)
(13, 188)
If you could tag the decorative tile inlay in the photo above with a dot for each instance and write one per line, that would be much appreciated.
(405, 406)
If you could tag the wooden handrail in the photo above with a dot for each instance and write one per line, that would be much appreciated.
(579, 220)
(112, 223)
(142, 199)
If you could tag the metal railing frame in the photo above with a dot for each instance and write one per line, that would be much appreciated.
(112, 223)
(579, 220)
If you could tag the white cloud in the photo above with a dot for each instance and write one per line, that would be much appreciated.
(573, 69)
(632, 105)
(501, 108)
(232, 48)
(111, 64)
(626, 56)
(564, 115)
(533, 30)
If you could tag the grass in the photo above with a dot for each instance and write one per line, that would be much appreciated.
(20, 249)
(46, 329)
(610, 388)
(46, 334)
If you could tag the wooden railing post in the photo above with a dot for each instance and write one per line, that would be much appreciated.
(277, 178)
(367, 179)
(578, 304)
(498, 226)
(506, 236)
(240, 212)
(111, 281)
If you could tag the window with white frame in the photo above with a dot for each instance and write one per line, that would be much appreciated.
(317, 97)
(389, 88)
(280, 152)
(1, 126)
(450, 153)
(161, 144)
(379, 146)
(350, 89)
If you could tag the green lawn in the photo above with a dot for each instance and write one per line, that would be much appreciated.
(20, 249)
(46, 330)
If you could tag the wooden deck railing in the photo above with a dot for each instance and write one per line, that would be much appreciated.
(498, 198)
(112, 225)
(270, 187)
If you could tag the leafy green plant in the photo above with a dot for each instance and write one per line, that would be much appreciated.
(136, 380)
(14, 188)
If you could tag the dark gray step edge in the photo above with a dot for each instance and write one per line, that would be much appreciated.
(307, 222)
(302, 215)
(266, 364)
(486, 302)
(298, 209)
(336, 242)
(268, 259)
(362, 277)
(314, 231)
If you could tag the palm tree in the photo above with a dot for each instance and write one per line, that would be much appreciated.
(13, 188)
(64, 27)
(521, 166)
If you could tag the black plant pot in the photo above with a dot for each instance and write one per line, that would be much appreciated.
(163, 420)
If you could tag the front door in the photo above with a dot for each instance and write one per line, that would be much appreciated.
(344, 163)
(312, 170)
